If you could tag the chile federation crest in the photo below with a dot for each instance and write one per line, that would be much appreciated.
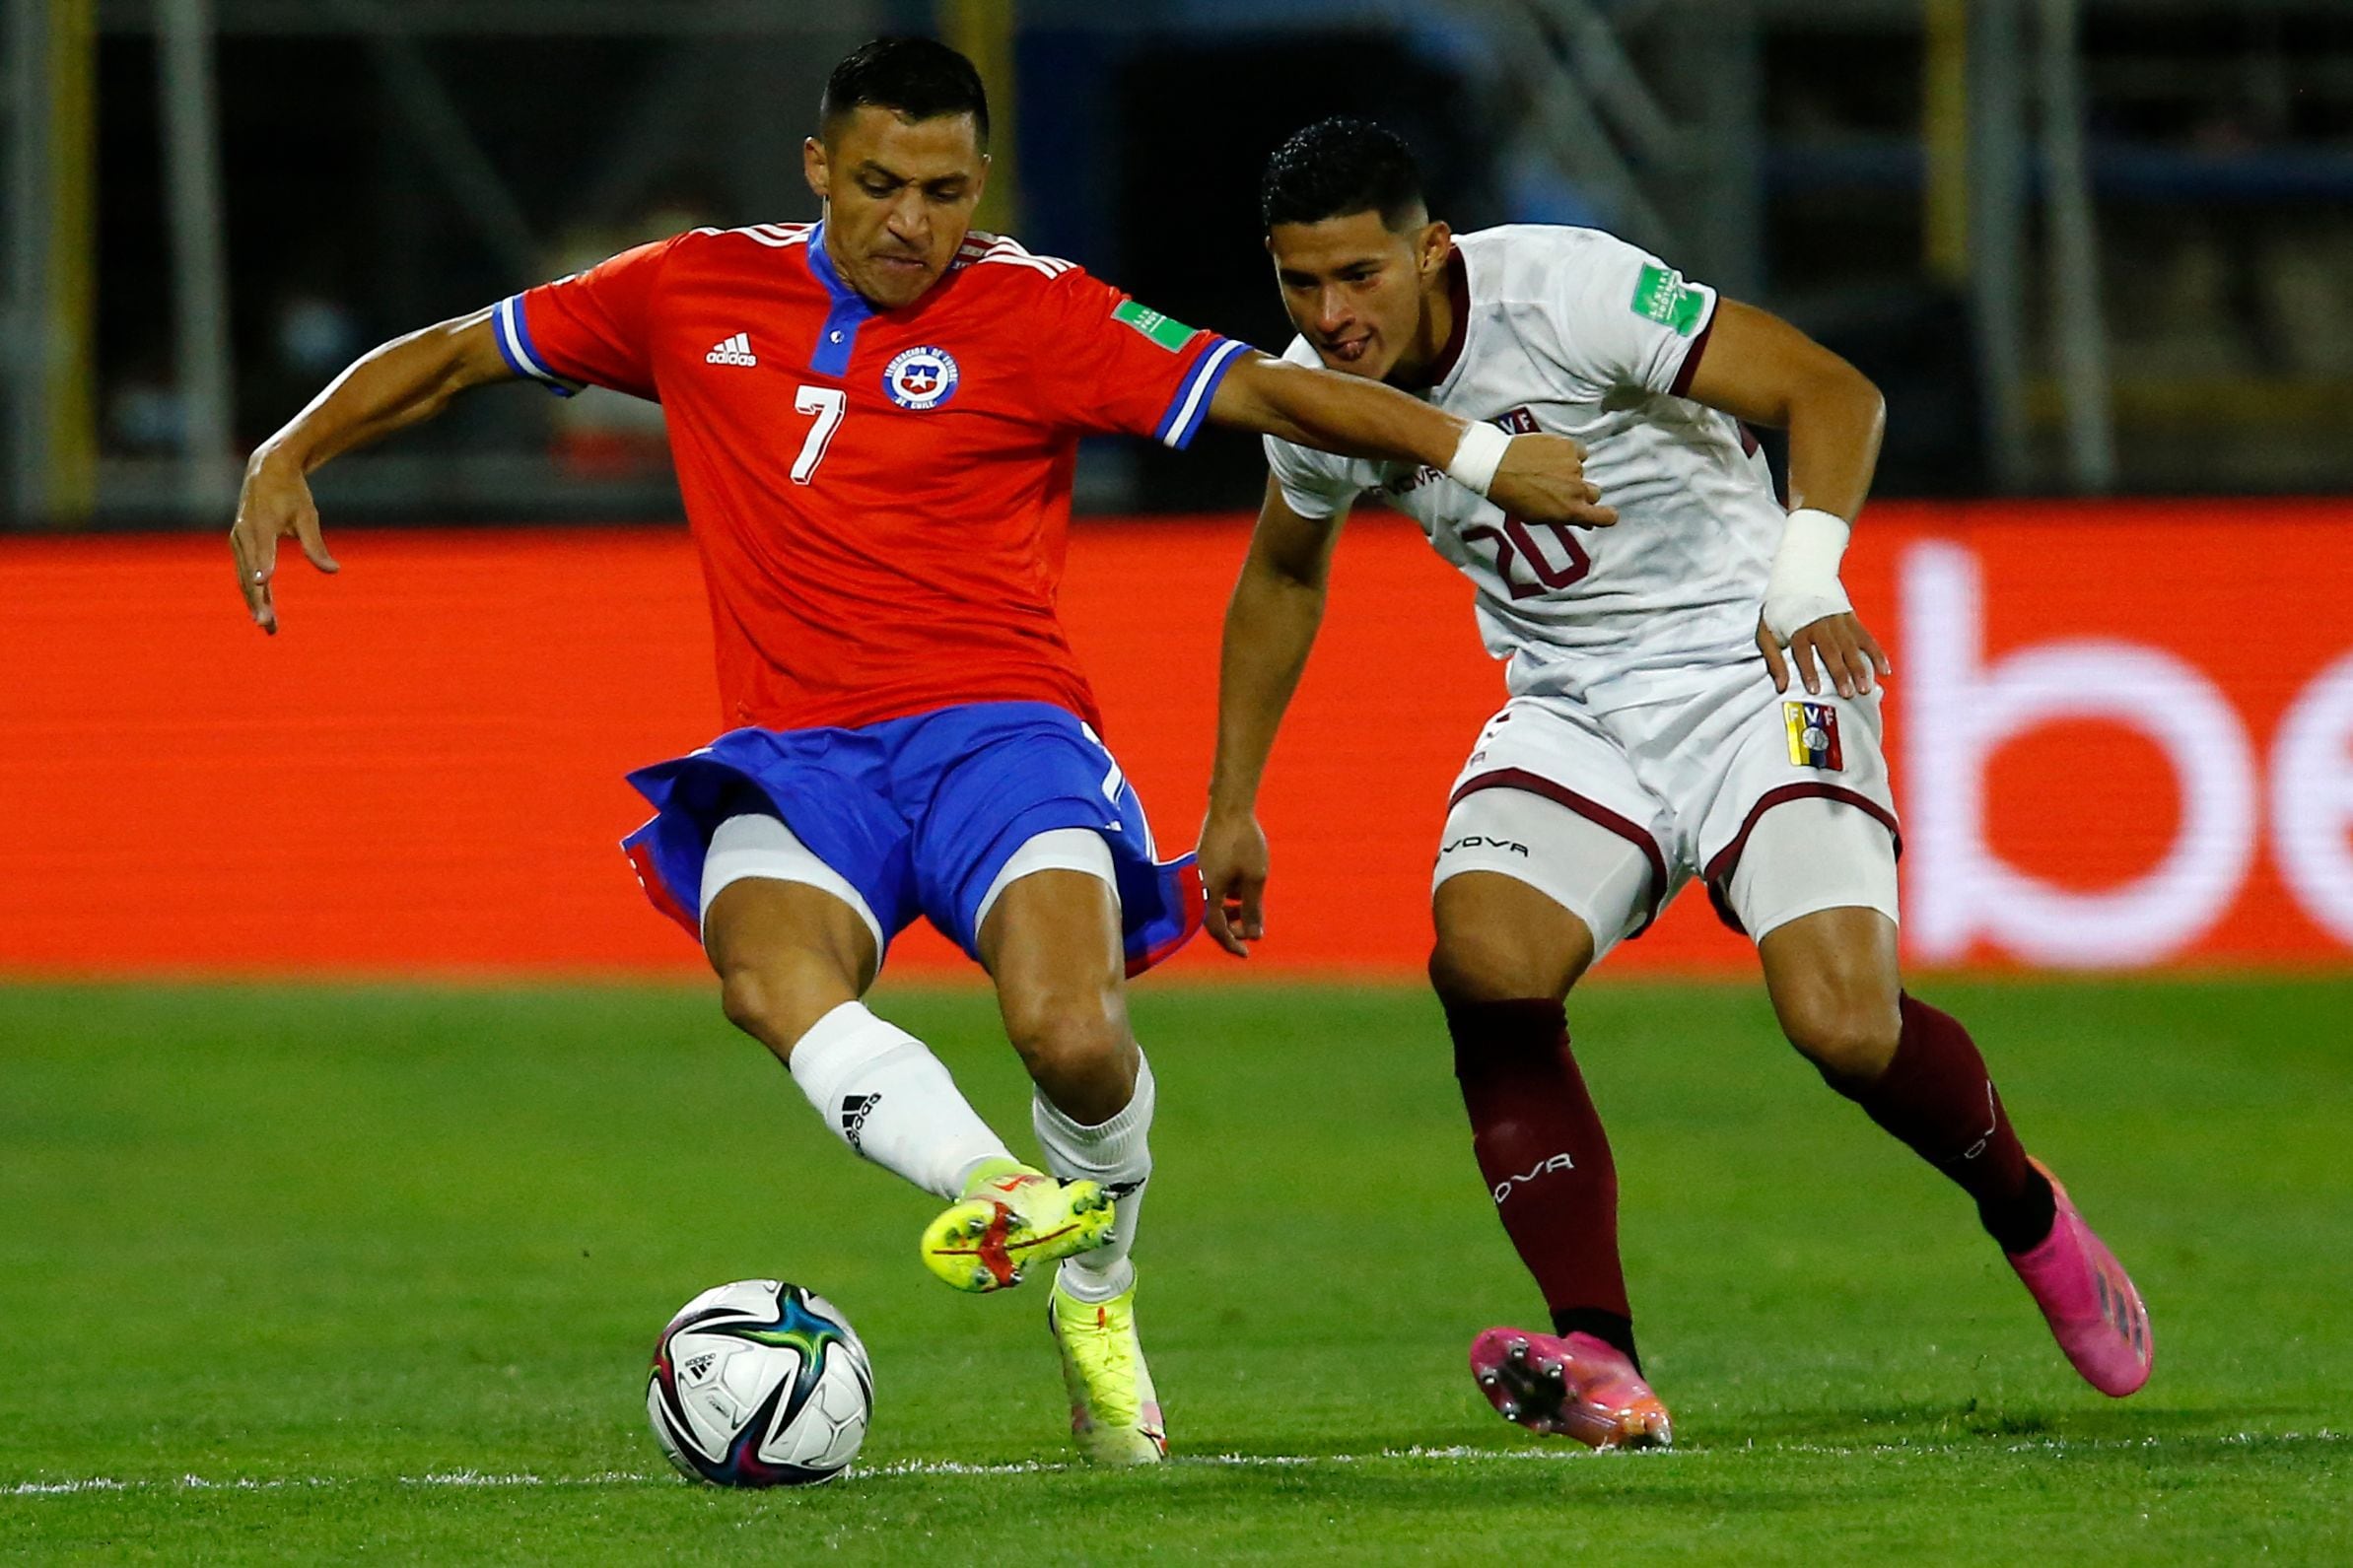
(920, 378)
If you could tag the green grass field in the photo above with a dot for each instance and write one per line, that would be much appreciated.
(316, 1275)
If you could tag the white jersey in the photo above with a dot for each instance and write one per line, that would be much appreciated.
(1576, 332)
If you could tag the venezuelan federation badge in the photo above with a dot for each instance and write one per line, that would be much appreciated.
(1813, 735)
(920, 378)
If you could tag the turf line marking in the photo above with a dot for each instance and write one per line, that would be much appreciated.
(896, 1467)
(1457, 1454)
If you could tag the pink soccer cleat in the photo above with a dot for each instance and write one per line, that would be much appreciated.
(1578, 1386)
(2088, 1300)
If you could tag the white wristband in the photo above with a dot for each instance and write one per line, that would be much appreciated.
(1476, 457)
(1804, 585)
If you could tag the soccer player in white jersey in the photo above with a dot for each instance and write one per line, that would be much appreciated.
(1691, 695)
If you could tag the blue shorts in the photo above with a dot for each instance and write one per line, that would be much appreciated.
(919, 815)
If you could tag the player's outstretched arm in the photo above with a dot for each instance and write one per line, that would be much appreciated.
(1758, 367)
(1271, 622)
(1540, 477)
(407, 380)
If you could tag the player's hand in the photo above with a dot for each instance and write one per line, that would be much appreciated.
(274, 503)
(1847, 653)
(1542, 479)
(1233, 868)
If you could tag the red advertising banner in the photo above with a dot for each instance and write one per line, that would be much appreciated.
(2123, 737)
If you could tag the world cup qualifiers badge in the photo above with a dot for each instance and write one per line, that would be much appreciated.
(1813, 735)
(920, 378)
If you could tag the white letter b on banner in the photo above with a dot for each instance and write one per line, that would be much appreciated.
(1959, 711)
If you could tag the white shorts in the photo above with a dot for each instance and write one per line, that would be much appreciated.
(1781, 803)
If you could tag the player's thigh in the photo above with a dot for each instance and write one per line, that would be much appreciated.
(1051, 938)
(1533, 881)
(789, 936)
(1051, 913)
(1528, 892)
(1815, 887)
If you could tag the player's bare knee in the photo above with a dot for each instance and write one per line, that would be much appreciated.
(1482, 964)
(1837, 990)
(1464, 972)
(749, 1001)
(1847, 1028)
(1501, 940)
(1076, 1046)
(777, 1003)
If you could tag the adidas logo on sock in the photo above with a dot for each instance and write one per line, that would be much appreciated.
(855, 1108)
(736, 350)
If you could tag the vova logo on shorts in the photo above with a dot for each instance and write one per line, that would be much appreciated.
(1480, 840)
(920, 378)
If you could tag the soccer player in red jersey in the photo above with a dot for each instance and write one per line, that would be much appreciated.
(873, 421)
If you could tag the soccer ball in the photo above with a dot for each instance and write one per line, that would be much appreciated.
(760, 1384)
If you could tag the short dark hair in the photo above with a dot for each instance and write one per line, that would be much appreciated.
(918, 79)
(1338, 167)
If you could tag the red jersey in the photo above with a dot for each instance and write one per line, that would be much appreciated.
(880, 498)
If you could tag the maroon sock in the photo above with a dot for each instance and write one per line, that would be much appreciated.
(1546, 1161)
(1938, 1099)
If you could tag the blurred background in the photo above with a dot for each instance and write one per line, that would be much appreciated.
(2088, 246)
(2097, 252)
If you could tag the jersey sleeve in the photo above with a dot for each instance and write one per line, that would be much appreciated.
(1307, 478)
(1317, 485)
(1107, 364)
(589, 329)
(1625, 318)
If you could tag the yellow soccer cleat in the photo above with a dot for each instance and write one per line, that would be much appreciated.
(1009, 1218)
(1115, 1413)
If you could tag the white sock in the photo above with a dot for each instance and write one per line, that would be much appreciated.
(886, 1095)
(1115, 1154)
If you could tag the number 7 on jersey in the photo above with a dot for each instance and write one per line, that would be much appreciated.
(829, 404)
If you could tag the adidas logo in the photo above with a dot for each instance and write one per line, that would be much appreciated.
(855, 1108)
(736, 350)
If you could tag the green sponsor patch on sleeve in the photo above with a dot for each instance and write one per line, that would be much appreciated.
(1167, 334)
(1661, 296)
